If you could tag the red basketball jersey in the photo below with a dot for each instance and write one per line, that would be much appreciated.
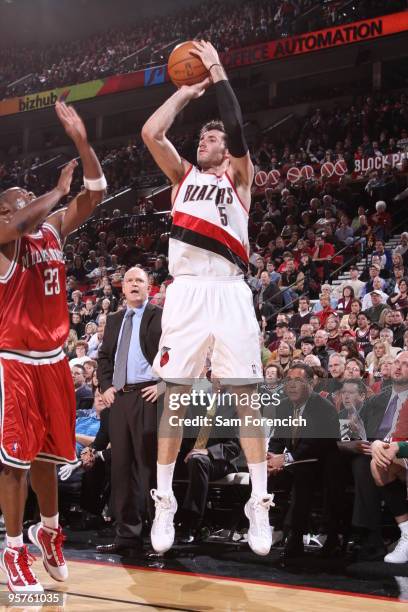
(33, 300)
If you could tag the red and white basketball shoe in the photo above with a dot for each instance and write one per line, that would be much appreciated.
(50, 541)
(16, 564)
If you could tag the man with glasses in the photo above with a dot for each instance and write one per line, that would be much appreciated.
(311, 435)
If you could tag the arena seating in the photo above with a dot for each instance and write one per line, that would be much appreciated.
(227, 24)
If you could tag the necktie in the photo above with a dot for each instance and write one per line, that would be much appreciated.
(205, 430)
(388, 418)
(295, 429)
(120, 372)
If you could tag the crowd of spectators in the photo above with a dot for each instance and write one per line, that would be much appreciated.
(372, 126)
(227, 24)
(125, 165)
(338, 12)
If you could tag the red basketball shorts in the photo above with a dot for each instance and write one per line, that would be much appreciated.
(37, 408)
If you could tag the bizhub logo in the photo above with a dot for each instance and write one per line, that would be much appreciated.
(36, 102)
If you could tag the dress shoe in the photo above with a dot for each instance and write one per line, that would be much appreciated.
(331, 548)
(294, 546)
(188, 536)
(91, 521)
(372, 548)
(120, 549)
(194, 536)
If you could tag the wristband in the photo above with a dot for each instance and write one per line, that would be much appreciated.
(212, 65)
(98, 184)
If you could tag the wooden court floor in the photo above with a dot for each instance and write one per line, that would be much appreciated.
(100, 587)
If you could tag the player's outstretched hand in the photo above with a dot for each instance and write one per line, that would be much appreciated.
(71, 122)
(65, 179)
(206, 52)
(197, 90)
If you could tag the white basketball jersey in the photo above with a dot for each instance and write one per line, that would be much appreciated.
(209, 235)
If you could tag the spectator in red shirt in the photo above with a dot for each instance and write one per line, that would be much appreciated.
(322, 254)
(326, 311)
(382, 219)
(332, 328)
(344, 304)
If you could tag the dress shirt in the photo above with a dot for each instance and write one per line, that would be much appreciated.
(138, 368)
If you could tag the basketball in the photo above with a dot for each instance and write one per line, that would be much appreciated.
(184, 68)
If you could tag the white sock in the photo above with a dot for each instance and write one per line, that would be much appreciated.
(165, 478)
(259, 476)
(15, 541)
(404, 527)
(50, 522)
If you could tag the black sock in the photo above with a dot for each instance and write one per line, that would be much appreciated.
(394, 495)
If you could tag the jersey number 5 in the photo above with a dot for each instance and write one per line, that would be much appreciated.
(51, 281)
(223, 214)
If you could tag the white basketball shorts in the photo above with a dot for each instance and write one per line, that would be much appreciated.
(200, 313)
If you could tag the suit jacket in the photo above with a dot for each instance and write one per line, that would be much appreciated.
(373, 411)
(273, 295)
(150, 332)
(316, 439)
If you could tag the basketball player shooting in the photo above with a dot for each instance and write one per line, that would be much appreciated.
(37, 400)
(209, 301)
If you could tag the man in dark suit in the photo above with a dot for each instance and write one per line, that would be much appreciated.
(129, 345)
(268, 292)
(380, 416)
(312, 435)
(204, 457)
(201, 466)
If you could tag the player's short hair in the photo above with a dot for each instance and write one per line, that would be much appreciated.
(214, 124)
